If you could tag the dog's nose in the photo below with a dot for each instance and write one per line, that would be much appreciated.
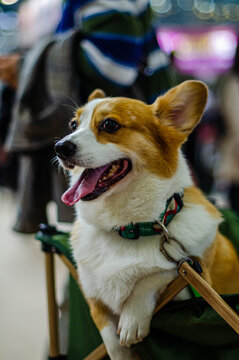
(65, 149)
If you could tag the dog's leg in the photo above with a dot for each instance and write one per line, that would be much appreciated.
(106, 324)
(138, 310)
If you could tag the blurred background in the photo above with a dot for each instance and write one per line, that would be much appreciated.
(199, 39)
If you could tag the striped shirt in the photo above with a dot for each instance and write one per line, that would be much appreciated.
(118, 42)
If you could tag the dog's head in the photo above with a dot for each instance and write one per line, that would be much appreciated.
(114, 139)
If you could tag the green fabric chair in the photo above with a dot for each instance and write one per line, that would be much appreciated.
(182, 330)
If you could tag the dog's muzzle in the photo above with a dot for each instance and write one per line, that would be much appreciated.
(65, 149)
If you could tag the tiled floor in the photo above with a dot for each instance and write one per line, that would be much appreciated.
(23, 310)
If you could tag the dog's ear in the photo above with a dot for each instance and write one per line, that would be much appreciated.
(182, 107)
(97, 94)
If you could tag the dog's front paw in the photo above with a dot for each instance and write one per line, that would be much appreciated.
(133, 328)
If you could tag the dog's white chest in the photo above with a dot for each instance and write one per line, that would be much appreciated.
(110, 266)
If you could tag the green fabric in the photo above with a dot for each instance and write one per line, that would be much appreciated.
(230, 227)
(83, 334)
(129, 25)
(60, 241)
(194, 292)
(190, 329)
(195, 321)
(182, 330)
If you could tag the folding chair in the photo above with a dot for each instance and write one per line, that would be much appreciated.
(180, 330)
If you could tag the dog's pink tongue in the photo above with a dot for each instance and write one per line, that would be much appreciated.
(84, 186)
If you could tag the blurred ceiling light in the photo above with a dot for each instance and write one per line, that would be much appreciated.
(161, 6)
(203, 9)
(232, 11)
(223, 43)
(204, 6)
(201, 15)
(8, 2)
(220, 13)
(202, 52)
(157, 2)
(186, 5)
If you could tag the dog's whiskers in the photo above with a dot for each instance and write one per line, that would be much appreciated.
(71, 107)
(54, 161)
(57, 139)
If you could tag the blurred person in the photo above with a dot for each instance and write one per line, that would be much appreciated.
(228, 167)
(119, 41)
(9, 76)
(8, 162)
(9, 69)
(105, 44)
(118, 44)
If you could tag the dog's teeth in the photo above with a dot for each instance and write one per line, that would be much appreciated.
(111, 173)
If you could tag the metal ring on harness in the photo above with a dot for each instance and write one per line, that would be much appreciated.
(166, 238)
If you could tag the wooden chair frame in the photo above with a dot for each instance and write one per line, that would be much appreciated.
(187, 275)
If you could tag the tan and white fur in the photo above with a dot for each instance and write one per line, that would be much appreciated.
(122, 279)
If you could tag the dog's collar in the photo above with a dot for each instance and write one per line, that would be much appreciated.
(133, 231)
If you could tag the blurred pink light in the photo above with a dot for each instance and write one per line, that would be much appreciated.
(200, 52)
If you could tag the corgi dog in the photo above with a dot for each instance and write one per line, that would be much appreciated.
(127, 170)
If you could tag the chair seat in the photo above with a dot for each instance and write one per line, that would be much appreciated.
(181, 330)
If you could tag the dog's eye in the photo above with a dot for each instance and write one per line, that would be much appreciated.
(73, 125)
(109, 125)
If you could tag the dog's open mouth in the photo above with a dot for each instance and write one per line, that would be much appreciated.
(94, 182)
